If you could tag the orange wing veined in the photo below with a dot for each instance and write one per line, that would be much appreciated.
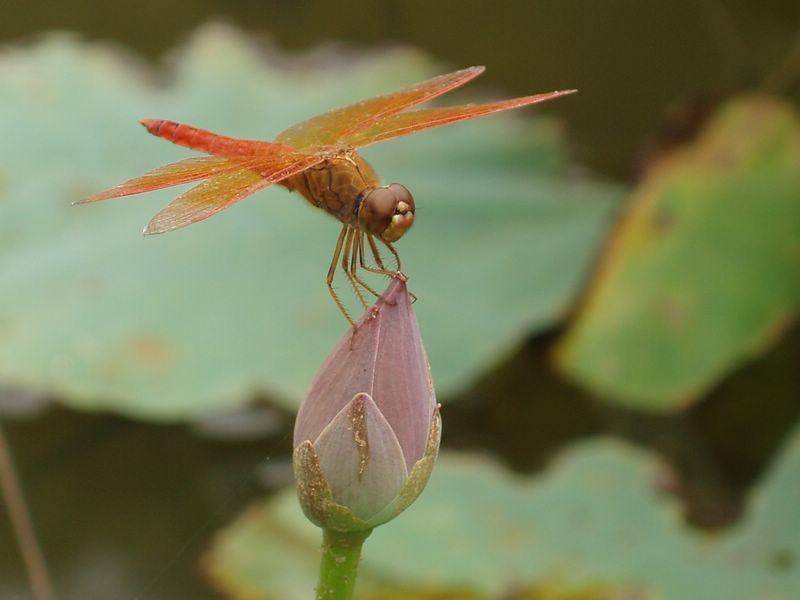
(221, 191)
(184, 171)
(411, 122)
(333, 126)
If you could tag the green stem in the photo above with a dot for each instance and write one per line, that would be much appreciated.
(339, 565)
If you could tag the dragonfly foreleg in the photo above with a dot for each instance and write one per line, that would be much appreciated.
(358, 258)
(376, 254)
(397, 263)
(396, 256)
(381, 268)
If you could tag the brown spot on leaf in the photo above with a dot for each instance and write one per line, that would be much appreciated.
(662, 219)
(675, 311)
(781, 560)
(150, 350)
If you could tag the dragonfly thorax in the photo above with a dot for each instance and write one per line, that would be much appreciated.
(336, 185)
(347, 187)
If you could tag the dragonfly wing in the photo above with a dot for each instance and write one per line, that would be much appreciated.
(333, 126)
(185, 171)
(411, 122)
(221, 191)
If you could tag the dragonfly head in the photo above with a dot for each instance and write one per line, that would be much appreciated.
(387, 212)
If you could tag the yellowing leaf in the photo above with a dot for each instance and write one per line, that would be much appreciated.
(704, 271)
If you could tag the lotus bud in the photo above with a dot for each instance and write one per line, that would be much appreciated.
(367, 434)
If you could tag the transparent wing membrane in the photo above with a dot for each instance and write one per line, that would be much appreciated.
(185, 171)
(205, 200)
(333, 126)
(411, 122)
(221, 191)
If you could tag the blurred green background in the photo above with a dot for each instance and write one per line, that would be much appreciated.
(608, 292)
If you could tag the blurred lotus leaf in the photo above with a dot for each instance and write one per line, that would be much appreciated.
(593, 521)
(205, 317)
(704, 271)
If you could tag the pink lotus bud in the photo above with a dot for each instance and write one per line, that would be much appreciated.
(367, 435)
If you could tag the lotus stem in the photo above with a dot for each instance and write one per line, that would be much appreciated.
(338, 569)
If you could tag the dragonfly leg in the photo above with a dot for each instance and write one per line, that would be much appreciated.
(381, 268)
(396, 256)
(376, 254)
(358, 258)
(346, 260)
(397, 263)
(332, 271)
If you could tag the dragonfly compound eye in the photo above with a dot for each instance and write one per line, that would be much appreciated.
(387, 212)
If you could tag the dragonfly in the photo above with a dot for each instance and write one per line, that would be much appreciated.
(319, 159)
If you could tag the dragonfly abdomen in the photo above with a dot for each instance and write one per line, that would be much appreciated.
(207, 141)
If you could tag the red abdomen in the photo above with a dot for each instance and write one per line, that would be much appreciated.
(207, 141)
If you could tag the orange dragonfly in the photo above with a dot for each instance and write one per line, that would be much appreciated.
(318, 159)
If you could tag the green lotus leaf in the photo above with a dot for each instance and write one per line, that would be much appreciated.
(202, 318)
(592, 523)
